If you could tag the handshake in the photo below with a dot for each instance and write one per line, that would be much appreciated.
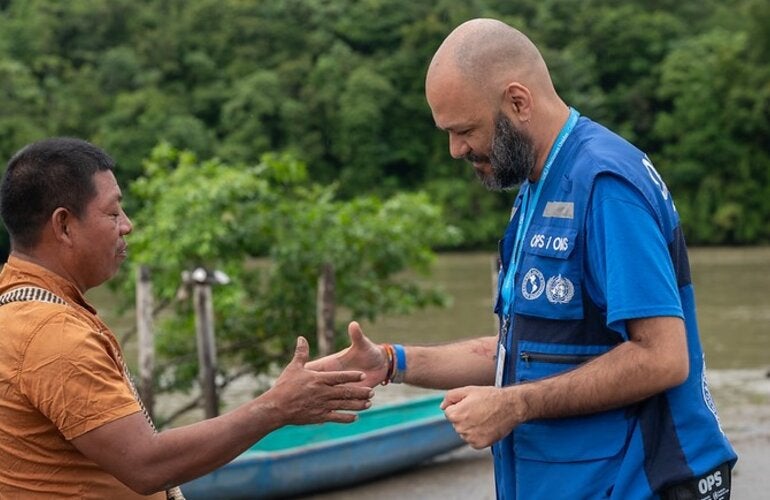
(306, 396)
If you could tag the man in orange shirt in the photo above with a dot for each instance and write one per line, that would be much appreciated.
(72, 425)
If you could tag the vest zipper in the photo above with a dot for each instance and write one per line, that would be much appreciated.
(569, 359)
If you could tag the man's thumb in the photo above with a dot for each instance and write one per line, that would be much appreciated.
(301, 352)
(355, 333)
(453, 397)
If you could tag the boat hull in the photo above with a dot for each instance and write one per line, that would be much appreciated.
(382, 441)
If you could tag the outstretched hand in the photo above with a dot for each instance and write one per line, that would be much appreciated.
(307, 396)
(362, 355)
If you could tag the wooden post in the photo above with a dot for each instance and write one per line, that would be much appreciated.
(145, 337)
(204, 328)
(325, 301)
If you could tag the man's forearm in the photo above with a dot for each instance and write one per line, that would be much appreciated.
(469, 362)
(654, 360)
(188, 452)
(646, 365)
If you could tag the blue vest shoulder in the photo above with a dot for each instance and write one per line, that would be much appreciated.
(595, 150)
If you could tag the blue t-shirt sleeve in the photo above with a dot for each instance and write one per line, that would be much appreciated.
(628, 270)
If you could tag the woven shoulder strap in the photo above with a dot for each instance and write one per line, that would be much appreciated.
(29, 293)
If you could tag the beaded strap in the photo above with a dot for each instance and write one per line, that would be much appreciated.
(29, 293)
(396, 363)
(33, 293)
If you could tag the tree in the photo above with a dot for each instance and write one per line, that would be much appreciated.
(226, 216)
(21, 120)
(339, 84)
(716, 135)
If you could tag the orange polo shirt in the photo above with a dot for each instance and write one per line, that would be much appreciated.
(61, 375)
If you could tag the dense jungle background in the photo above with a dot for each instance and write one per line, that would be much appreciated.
(338, 84)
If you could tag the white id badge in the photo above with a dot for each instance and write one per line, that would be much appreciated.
(500, 365)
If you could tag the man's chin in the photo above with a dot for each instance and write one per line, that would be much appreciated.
(482, 169)
(492, 183)
(487, 179)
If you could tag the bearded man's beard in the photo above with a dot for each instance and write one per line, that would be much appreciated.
(512, 157)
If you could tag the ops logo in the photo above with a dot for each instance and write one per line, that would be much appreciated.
(710, 482)
(558, 243)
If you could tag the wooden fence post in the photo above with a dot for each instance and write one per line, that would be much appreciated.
(325, 302)
(145, 335)
(207, 351)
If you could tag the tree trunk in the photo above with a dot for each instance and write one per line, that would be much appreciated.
(145, 334)
(207, 355)
(325, 310)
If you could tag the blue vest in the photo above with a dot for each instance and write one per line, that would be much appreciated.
(625, 453)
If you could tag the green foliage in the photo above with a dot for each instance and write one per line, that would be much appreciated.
(271, 231)
(339, 85)
(472, 208)
(21, 95)
(715, 138)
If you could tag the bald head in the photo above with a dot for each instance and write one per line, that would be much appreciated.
(488, 54)
(488, 87)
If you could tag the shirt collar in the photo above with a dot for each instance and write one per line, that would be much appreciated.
(20, 272)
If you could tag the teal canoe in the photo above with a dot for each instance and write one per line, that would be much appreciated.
(296, 460)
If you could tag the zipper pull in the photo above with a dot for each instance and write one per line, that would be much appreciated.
(525, 357)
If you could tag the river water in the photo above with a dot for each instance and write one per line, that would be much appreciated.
(732, 289)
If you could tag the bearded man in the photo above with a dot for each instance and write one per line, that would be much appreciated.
(595, 385)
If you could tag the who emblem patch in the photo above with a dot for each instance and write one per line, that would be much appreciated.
(559, 290)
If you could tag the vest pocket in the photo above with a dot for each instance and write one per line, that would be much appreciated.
(588, 437)
(548, 282)
(574, 439)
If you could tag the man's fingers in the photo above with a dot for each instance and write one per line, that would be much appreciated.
(347, 392)
(453, 397)
(341, 418)
(344, 377)
(301, 351)
(349, 404)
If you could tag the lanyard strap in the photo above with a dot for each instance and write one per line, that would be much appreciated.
(528, 206)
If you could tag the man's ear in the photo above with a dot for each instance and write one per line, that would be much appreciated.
(61, 224)
(518, 99)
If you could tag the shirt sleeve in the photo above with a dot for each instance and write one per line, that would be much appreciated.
(629, 269)
(71, 375)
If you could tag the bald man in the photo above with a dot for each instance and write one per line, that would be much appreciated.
(594, 386)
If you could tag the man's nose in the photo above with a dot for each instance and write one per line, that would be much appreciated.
(457, 146)
(128, 226)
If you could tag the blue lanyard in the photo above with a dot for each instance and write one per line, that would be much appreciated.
(528, 210)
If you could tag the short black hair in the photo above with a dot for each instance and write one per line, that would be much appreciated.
(46, 175)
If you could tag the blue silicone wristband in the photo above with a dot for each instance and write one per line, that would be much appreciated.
(400, 357)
